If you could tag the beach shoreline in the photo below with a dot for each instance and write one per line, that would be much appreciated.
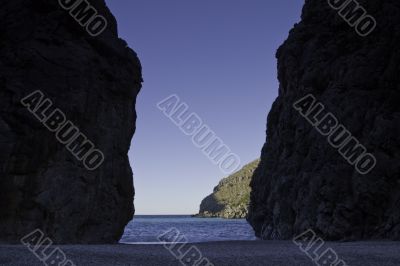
(266, 253)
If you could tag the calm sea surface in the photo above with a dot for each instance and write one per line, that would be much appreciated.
(146, 228)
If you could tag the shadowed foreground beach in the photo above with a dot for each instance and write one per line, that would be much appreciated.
(273, 253)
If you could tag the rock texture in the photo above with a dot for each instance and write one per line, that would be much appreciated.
(302, 182)
(231, 197)
(94, 81)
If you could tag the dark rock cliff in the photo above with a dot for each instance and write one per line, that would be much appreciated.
(94, 81)
(304, 183)
(230, 199)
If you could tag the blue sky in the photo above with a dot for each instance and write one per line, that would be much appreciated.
(219, 58)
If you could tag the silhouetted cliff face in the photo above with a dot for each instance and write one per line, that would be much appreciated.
(302, 182)
(94, 82)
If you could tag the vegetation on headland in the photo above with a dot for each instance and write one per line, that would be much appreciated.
(231, 197)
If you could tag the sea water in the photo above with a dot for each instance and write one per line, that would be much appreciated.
(146, 228)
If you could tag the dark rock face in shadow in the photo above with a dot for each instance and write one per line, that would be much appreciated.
(94, 81)
(304, 183)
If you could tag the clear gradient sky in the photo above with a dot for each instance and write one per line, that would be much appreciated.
(218, 56)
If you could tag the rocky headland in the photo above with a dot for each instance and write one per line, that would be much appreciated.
(231, 197)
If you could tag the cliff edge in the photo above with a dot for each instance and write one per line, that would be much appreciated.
(55, 62)
(306, 182)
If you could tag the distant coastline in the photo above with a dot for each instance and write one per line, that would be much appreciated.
(231, 197)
